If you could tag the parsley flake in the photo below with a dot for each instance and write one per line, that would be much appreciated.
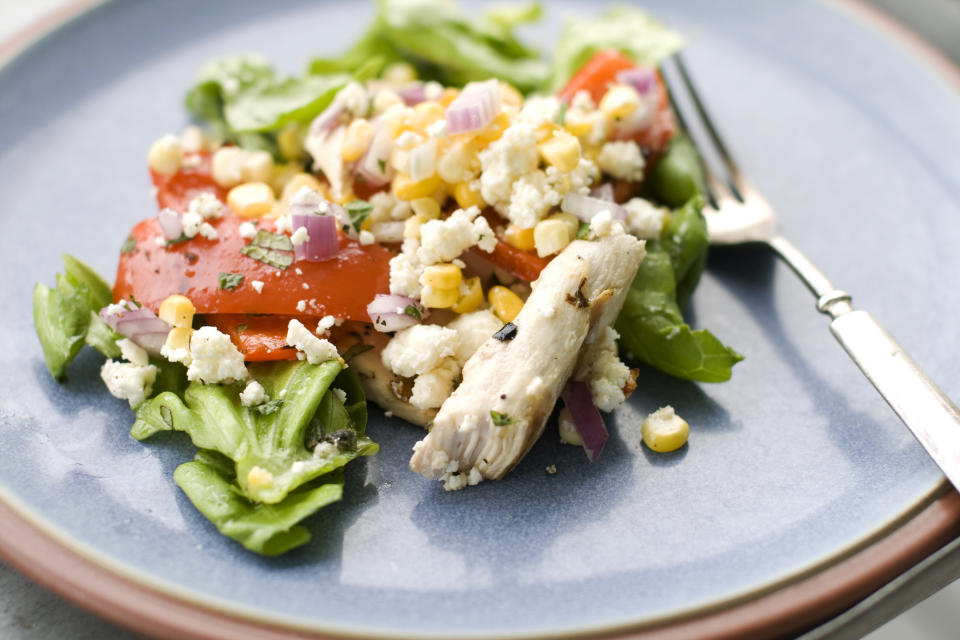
(267, 408)
(412, 311)
(358, 210)
(583, 230)
(382, 164)
(562, 114)
(501, 419)
(230, 280)
(129, 246)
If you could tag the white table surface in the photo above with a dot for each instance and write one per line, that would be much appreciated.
(30, 612)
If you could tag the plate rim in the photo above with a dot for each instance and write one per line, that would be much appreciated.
(118, 592)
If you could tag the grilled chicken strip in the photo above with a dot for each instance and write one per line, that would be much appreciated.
(510, 385)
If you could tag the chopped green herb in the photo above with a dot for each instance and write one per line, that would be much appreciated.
(128, 246)
(413, 311)
(241, 328)
(501, 419)
(191, 258)
(562, 114)
(268, 408)
(358, 210)
(182, 238)
(583, 230)
(230, 280)
(278, 259)
(382, 164)
(270, 240)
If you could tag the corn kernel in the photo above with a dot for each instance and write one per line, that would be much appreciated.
(519, 238)
(295, 183)
(550, 237)
(572, 222)
(459, 161)
(663, 430)
(425, 114)
(411, 227)
(561, 151)
(471, 300)
(165, 155)
(384, 99)
(449, 95)
(506, 304)
(226, 166)
(356, 140)
(619, 102)
(179, 338)
(257, 167)
(494, 130)
(396, 119)
(466, 196)
(509, 95)
(399, 73)
(439, 298)
(177, 310)
(426, 208)
(441, 276)
(404, 188)
(260, 478)
(290, 141)
(193, 139)
(577, 126)
(251, 199)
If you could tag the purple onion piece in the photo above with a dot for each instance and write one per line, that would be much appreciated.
(139, 324)
(412, 94)
(475, 107)
(643, 79)
(390, 312)
(603, 192)
(323, 242)
(170, 223)
(586, 207)
(586, 417)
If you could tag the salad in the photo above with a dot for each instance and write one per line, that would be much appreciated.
(437, 221)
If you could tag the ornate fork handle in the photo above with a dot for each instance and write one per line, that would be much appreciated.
(929, 414)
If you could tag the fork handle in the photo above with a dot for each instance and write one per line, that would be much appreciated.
(929, 414)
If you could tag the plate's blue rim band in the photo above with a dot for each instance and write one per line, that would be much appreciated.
(906, 40)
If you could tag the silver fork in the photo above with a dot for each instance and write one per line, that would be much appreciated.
(739, 214)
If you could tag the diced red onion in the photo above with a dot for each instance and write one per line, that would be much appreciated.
(329, 118)
(170, 223)
(586, 207)
(374, 166)
(388, 312)
(586, 417)
(422, 160)
(412, 94)
(475, 107)
(643, 79)
(603, 192)
(322, 242)
(139, 324)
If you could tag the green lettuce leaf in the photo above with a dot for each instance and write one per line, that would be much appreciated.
(272, 441)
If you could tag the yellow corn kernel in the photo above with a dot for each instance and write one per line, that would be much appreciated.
(260, 478)
(494, 130)
(459, 161)
(179, 338)
(404, 188)
(509, 95)
(466, 196)
(257, 167)
(663, 430)
(519, 238)
(251, 199)
(472, 299)
(396, 119)
(572, 222)
(506, 304)
(165, 155)
(577, 126)
(411, 227)
(439, 298)
(441, 276)
(290, 141)
(426, 209)
(546, 130)
(193, 139)
(619, 102)
(356, 139)
(399, 73)
(448, 96)
(425, 114)
(177, 310)
(550, 237)
(562, 151)
(226, 166)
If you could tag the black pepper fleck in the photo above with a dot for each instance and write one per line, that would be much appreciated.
(508, 332)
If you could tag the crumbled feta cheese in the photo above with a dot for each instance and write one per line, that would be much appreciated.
(299, 236)
(432, 90)
(132, 352)
(160, 241)
(206, 205)
(540, 110)
(384, 99)
(417, 349)
(430, 389)
(341, 395)
(207, 231)
(454, 481)
(531, 198)
(116, 309)
(437, 129)
(301, 305)
(257, 285)
(191, 223)
(405, 271)
(622, 159)
(644, 219)
(214, 358)
(473, 330)
(383, 203)
(602, 223)
(325, 323)
(583, 101)
(180, 354)
(248, 230)
(253, 394)
(305, 285)
(314, 349)
(513, 155)
(366, 238)
(444, 240)
(604, 373)
(408, 139)
(283, 223)
(128, 381)
(355, 98)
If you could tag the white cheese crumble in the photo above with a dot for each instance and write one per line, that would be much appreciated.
(430, 389)
(248, 230)
(128, 381)
(206, 205)
(207, 231)
(644, 219)
(257, 285)
(132, 352)
(444, 240)
(418, 349)
(283, 223)
(473, 330)
(253, 394)
(437, 129)
(299, 236)
(366, 238)
(214, 358)
(191, 222)
(513, 155)
(301, 305)
(315, 350)
(326, 322)
(355, 98)
(604, 373)
(622, 159)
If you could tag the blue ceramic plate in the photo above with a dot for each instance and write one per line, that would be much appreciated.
(793, 463)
